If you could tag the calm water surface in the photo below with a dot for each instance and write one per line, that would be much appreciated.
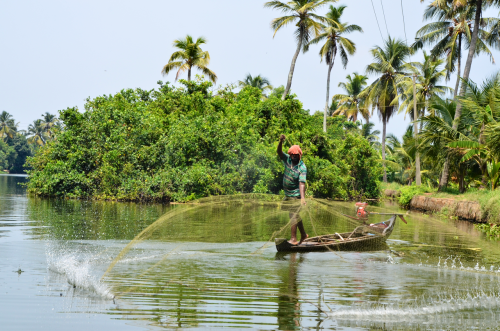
(214, 267)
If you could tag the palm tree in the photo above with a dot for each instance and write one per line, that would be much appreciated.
(428, 74)
(438, 134)
(333, 36)
(383, 93)
(37, 135)
(350, 103)
(189, 56)
(450, 33)
(333, 107)
(301, 12)
(262, 83)
(49, 122)
(7, 125)
(468, 64)
(482, 110)
(403, 154)
(371, 136)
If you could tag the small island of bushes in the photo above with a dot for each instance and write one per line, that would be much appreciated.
(183, 143)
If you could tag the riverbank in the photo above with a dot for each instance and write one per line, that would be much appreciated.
(478, 206)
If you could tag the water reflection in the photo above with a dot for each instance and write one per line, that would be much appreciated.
(207, 268)
(288, 299)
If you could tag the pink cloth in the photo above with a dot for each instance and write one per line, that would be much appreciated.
(295, 149)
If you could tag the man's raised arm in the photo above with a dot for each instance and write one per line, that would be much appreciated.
(280, 146)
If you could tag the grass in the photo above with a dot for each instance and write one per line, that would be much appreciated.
(390, 186)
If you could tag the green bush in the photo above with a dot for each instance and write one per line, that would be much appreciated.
(408, 192)
(184, 143)
(491, 230)
(7, 155)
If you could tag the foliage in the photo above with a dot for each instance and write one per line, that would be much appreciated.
(452, 32)
(428, 74)
(188, 56)
(262, 83)
(333, 37)
(351, 103)
(491, 230)
(23, 150)
(178, 144)
(408, 192)
(383, 93)
(15, 145)
(8, 126)
(7, 155)
(300, 13)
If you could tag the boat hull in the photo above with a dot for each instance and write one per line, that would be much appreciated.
(363, 238)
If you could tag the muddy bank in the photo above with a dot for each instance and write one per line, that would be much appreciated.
(467, 210)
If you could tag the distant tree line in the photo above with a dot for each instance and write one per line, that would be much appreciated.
(16, 145)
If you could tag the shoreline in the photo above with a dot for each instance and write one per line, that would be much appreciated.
(462, 209)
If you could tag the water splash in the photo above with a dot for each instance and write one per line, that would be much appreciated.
(78, 268)
(415, 310)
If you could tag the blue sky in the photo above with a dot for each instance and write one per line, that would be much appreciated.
(55, 54)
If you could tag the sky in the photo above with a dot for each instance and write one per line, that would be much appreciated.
(56, 54)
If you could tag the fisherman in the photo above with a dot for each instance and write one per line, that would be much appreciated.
(294, 184)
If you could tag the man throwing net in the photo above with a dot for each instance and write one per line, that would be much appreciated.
(294, 184)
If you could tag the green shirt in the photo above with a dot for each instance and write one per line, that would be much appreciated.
(293, 175)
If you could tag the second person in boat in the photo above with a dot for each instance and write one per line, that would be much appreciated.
(294, 184)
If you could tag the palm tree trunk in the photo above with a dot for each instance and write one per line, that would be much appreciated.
(415, 133)
(458, 112)
(330, 66)
(461, 178)
(292, 67)
(384, 125)
(457, 84)
(189, 74)
(468, 63)
(485, 177)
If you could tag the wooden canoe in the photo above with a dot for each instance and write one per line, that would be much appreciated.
(364, 237)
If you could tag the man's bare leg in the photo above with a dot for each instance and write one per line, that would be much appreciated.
(303, 234)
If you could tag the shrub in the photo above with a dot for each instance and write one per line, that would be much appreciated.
(408, 192)
(184, 143)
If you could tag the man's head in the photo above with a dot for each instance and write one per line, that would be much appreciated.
(295, 153)
(295, 158)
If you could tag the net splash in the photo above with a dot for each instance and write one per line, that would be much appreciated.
(78, 269)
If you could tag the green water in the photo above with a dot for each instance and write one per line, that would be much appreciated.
(213, 267)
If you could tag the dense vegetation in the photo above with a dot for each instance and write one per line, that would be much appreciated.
(16, 145)
(184, 143)
(188, 142)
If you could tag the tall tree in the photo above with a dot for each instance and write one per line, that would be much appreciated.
(451, 33)
(350, 103)
(189, 56)
(468, 64)
(262, 83)
(429, 74)
(300, 12)
(334, 40)
(383, 93)
(36, 134)
(371, 136)
(482, 111)
(49, 122)
(8, 126)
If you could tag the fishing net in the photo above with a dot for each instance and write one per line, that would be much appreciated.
(244, 218)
